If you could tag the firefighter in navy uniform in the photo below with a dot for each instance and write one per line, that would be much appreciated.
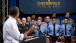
(24, 26)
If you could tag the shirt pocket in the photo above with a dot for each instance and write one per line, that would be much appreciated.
(68, 28)
(26, 27)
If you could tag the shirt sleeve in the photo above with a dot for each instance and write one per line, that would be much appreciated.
(14, 32)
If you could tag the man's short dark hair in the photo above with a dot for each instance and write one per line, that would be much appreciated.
(39, 16)
(39, 19)
(68, 12)
(23, 17)
(54, 18)
(47, 16)
(28, 16)
(53, 13)
(66, 18)
(14, 10)
(33, 14)
(32, 19)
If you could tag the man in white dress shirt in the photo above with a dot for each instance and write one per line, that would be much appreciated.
(11, 33)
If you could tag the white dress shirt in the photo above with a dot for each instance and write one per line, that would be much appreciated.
(11, 33)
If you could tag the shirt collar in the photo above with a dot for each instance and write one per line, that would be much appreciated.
(13, 19)
(66, 24)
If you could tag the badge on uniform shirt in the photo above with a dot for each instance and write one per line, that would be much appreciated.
(20, 28)
(26, 27)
